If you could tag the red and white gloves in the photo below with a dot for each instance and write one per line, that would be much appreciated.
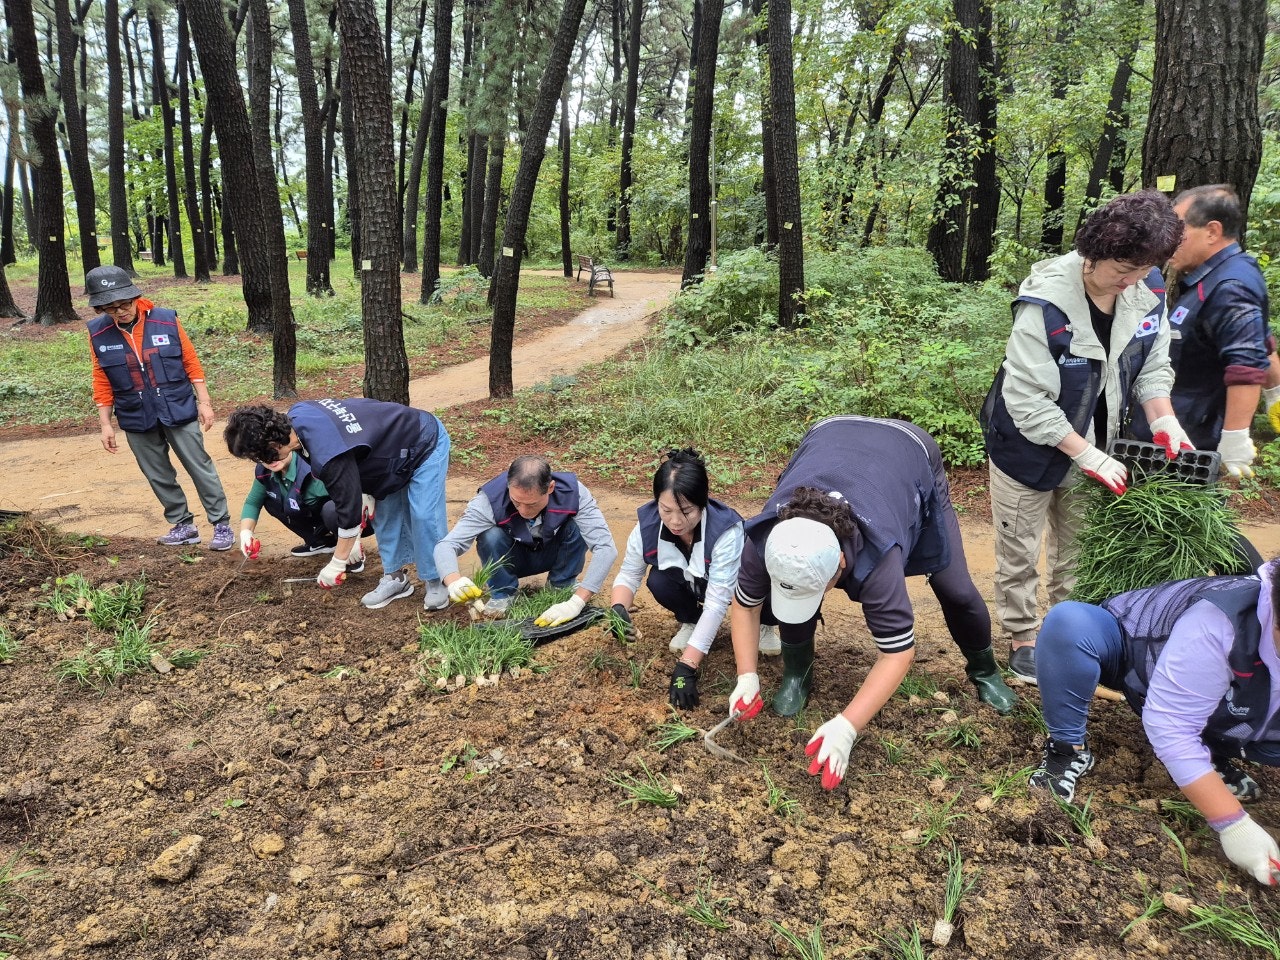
(1168, 433)
(1108, 471)
(830, 747)
(745, 702)
(333, 575)
(250, 545)
(1252, 849)
(367, 507)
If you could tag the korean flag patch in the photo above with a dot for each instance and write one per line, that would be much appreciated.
(160, 340)
(1149, 325)
(1178, 316)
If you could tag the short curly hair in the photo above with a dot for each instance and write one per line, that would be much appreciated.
(815, 504)
(257, 433)
(1139, 228)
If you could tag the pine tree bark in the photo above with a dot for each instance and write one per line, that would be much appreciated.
(698, 249)
(984, 198)
(435, 153)
(413, 180)
(1113, 126)
(78, 167)
(629, 130)
(53, 291)
(566, 242)
(349, 157)
(386, 371)
(1055, 180)
(121, 249)
(1203, 124)
(190, 196)
(268, 302)
(318, 215)
(506, 274)
(786, 155)
(162, 99)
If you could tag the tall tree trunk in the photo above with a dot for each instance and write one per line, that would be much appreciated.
(329, 116)
(318, 215)
(1111, 130)
(566, 241)
(402, 158)
(121, 249)
(1055, 180)
(506, 274)
(7, 253)
(53, 291)
(268, 301)
(947, 234)
(162, 99)
(199, 243)
(984, 199)
(698, 249)
(413, 182)
(435, 153)
(493, 200)
(78, 166)
(786, 163)
(354, 212)
(629, 130)
(466, 133)
(386, 375)
(1203, 125)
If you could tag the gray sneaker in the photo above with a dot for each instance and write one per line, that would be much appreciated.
(437, 595)
(223, 538)
(183, 534)
(392, 586)
(1022, 664)
(497, 607)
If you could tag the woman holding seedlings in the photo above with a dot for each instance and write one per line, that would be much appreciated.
(862, 505)
(1089, 341)
(1198, 659)
(691, 545)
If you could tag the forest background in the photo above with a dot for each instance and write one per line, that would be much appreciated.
(851, 189)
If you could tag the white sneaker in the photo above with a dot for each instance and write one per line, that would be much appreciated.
(770, 643)
(437, 596)
(392, 586)
(681, 639)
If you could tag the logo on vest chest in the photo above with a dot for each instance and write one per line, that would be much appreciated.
(160, 340)
(1068, 361)
(103, 348)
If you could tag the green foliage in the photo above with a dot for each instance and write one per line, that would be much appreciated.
(1239, 926)
(654, 788)
(936, 819)
(448, 650)
(98, 667)
(673, 732)
(1160, 530)
(811, 946)
(9, 645)
(778, 800)
(904, 945)
(10, 879)
(705, 908)
(526, 605)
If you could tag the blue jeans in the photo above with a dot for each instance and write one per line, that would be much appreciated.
(561, 558)
(413, 520)
(1080, 646)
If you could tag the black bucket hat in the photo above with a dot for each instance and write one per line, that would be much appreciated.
(109, 284)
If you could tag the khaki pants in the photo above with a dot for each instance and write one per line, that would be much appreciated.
(1022, 517)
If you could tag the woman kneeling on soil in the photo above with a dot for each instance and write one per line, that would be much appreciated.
(692, 545)
(862, 505)
(1198, 660)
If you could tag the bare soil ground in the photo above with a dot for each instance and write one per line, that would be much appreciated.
(301, 793)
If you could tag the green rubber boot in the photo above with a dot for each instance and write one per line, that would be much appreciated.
(984, 673)
(797, 679)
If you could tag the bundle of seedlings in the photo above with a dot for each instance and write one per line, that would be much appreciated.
(1161, 529)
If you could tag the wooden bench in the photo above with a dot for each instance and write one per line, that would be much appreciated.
(596, 273)
(144, 254)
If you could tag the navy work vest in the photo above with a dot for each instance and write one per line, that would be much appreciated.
(157, 390)
(1199, 394)
(719, 518)
(885, 470)
(1146, 618)
(389, 440)
(1042, 467)
(286, 501)
(562, 506)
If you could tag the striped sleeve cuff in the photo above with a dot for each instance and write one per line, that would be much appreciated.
(898, 642)
(745, 600)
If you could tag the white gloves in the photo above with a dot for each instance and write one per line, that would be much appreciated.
(333, 574)
(1252, 849)
(832, 744)
(464, 589)
(559, 613)
(1106, 470)
(249, 544)
(367, 504)
(745, 702)
(356, 556)
(1271, 403)
(1237, 452)
(1168, 433)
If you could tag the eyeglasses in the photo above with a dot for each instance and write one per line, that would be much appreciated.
(120, 306)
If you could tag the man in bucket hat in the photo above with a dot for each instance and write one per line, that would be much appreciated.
(863, 504)
(145, 369)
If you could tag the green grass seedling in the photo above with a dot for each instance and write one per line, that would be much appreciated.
(448, 650)
(130, 654)
(674, 731)
(705, 909)
(894, 752)
(779, 802)
(937, 819)
(963, 733)
(525, 605)
(654, 788)
(10, 878)
(1030, 716)
(1011, 783)
(1182, 813)
(1081, 816)
(636, 671)
(935, 769)
(904, 945)
(1152, 904)
(1238, 926)
(340, 672)
(1180, 846)
(810, 947)
(916, 685)
(9, 645)
(184, 658)
(957, 884)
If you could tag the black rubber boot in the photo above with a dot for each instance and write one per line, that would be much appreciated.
(984, 673)
(797, 679)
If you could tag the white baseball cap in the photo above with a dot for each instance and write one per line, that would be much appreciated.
(802, 556)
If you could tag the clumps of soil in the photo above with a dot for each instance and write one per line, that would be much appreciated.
(301, 793)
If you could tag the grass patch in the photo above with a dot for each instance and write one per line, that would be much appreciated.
(936, 819)
(9, 645)
(654, 788)
(963, 733)
(99, 667)
(1238, 926)
(673, 732)
(448, 650)
(10, 879)
(811, 946)
(704, 908)
(777, 799)
(525, 606)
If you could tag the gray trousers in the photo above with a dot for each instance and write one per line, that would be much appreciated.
(151, 450)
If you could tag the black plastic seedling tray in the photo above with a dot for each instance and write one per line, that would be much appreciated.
(530, 631)
(1149, 460)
